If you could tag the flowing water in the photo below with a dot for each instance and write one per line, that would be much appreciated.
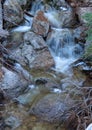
(63, 48)
(65, 51)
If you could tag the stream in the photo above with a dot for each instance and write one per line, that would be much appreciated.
(44, 95)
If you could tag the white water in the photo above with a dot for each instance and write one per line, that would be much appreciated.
(63, 8)
(53, 18)
(63, 48)
(62, 64)
(21, 29)
(61, 42)
(26, 26)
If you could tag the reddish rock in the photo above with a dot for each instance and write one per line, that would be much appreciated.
(43, 60)
(1, 74)
(40, 24)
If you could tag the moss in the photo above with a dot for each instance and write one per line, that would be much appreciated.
(88, 50)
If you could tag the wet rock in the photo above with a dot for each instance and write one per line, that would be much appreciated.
(40, 24)
(85, 67)
(47, 83)
(29, 97)
(57, 12)
(35, 40)
(64, 17)
(80, 35)
(43, 60)
(50, 108)
(14, 83)
(12, 12)
(34, 53)
(55, 3)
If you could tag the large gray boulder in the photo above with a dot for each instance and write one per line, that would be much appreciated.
(33, 53)
(14, 83)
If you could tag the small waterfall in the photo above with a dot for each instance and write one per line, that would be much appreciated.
(61, 40)
(63, 48)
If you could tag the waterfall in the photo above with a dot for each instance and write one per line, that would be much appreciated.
(63, 48)
(60, 40)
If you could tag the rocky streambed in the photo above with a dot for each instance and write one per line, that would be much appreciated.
(45, 83)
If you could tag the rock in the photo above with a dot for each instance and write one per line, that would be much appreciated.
(12, 122)
(14, 83)
(40, 24)
(47, 83)
(43, 60)
(81, 11)
(34, 53)
(14, 40)
(50, 108)
(29, 97)
(12, 12)
(88, 2)
(35, 40)
(83, 73)
(64, 17)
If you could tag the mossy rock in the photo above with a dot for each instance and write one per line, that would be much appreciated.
(88, 53)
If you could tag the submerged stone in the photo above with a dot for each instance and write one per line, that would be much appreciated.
(50, 108)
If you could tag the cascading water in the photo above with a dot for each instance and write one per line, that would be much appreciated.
(46, 92)
(61, 40)
(63, 48)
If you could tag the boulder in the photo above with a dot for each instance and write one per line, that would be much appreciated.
(14, 83)
(40, 24)
(50, 108)
(12, 12)
(34, 53)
